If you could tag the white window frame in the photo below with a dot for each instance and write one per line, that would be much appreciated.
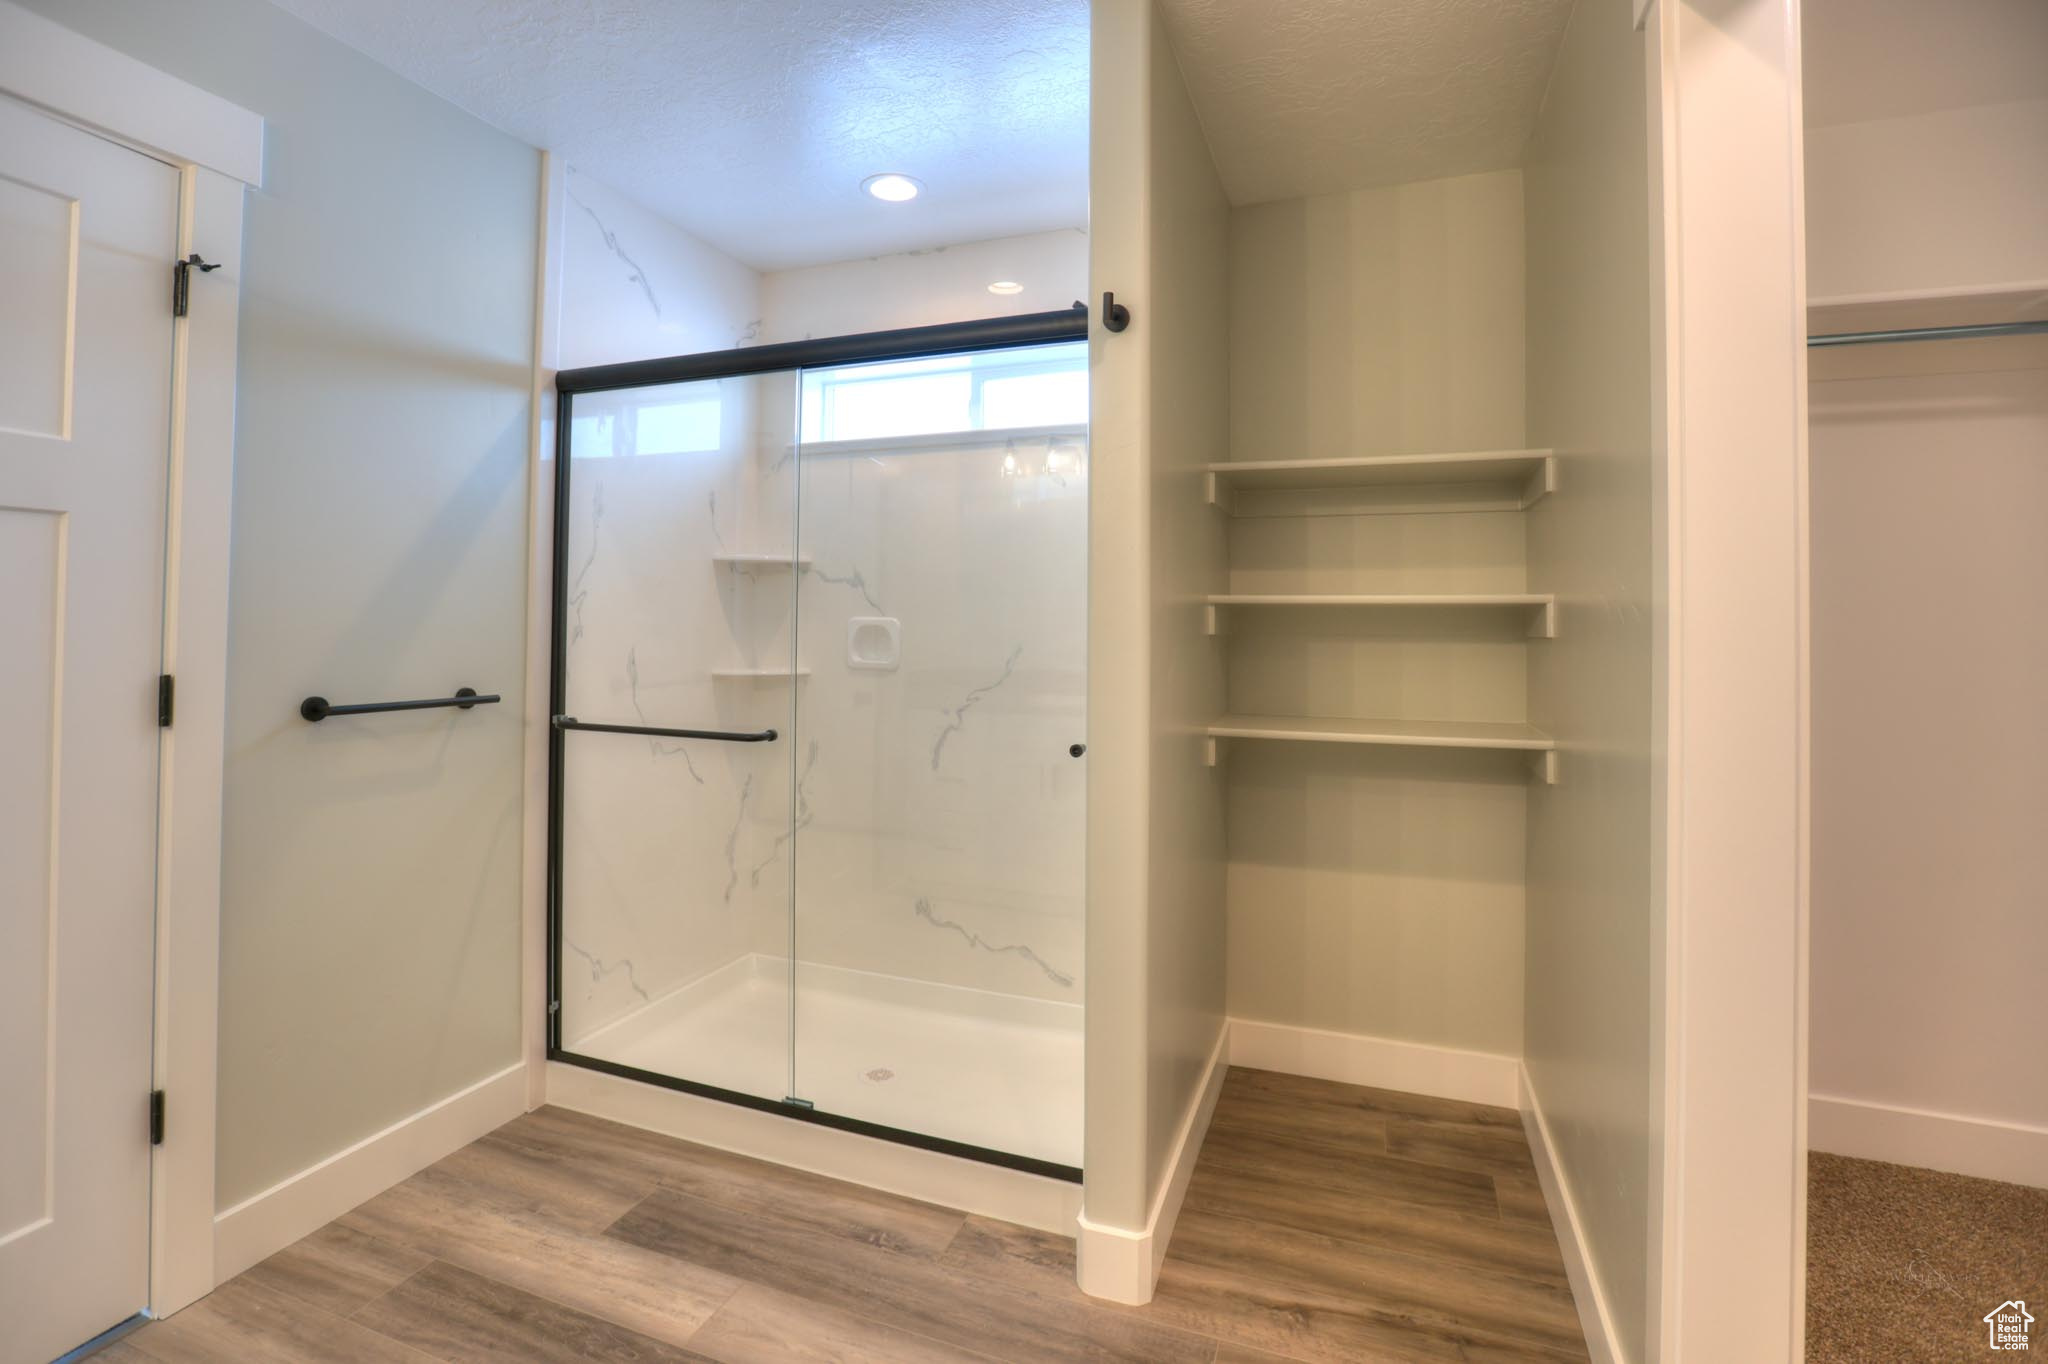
(973, 363)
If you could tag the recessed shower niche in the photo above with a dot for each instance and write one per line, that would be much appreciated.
(819, 665)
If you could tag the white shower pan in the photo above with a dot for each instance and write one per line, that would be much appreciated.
(1000, 1072)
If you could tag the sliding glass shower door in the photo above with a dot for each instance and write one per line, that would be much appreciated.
(940, 803)
(820, 741)
(677, 603)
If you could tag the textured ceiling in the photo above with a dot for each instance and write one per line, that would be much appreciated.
(1871, 59)
(752, 122)
(1304, 97)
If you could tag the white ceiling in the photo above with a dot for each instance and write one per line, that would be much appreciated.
(1872, 59)
(752, 122)
(1304, 97)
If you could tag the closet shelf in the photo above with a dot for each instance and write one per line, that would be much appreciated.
(1482, 480)
(2017, 302)
(1387, 733)
(802, 562)
(757, 674)
(1542, 605)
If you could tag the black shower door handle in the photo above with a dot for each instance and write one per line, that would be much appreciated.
(729, 736)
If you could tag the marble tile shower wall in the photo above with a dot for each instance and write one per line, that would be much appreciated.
(927, 807)
(942, 819)
(676, 853)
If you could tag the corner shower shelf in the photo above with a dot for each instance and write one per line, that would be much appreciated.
(1483, 480)
(1541, 605)
(801, 563)
(1386, 733)
(758, 674)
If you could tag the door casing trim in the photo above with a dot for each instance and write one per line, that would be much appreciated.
(217, 147)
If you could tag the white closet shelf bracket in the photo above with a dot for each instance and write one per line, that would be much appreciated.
(1216, 491)
(1542, 482)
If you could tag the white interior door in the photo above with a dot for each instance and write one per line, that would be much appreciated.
(87, 232)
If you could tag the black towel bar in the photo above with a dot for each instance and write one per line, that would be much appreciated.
(319, 707)
(730, 736)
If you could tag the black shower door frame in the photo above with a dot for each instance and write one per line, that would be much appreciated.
(911, 343)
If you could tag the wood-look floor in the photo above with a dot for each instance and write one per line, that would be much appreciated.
(1325, 1222)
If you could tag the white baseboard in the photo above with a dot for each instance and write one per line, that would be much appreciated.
(1122, 1265)
(1594, 1317)
(972, 1186)
(2008, 1152)
(1350, 1058)
(260, 1226)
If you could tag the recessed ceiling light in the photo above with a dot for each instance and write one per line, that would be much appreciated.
(892, 188)
(1006, 286)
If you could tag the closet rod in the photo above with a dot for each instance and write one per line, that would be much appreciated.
(1930, 333)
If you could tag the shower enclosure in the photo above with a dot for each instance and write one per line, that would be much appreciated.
(817, 786)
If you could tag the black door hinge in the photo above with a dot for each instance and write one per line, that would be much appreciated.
(166, 687)
(181, 282)
(156, 1117)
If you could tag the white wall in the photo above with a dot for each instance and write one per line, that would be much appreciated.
(1926, 126)
(1930, 755)
(1728, 677)
(655, 893)
(1384, 321)
(1155, 814)
(1588, 1031)
(935, 821)
(928, 817)
(677, 856)
(922, 288)
(943, 819)
(635, 285)
(1185, 303)
(1935, 202)
(960, 863)
(370, 896)
(1378, 893)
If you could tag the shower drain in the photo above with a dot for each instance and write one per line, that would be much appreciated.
(881, 1073)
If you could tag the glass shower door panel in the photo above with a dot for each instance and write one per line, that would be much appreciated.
(679, 614)
(939, 811)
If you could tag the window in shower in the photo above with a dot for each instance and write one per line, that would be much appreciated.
(1037, 387)
(821, 658)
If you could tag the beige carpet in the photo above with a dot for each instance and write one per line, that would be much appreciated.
(1902, 1263)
